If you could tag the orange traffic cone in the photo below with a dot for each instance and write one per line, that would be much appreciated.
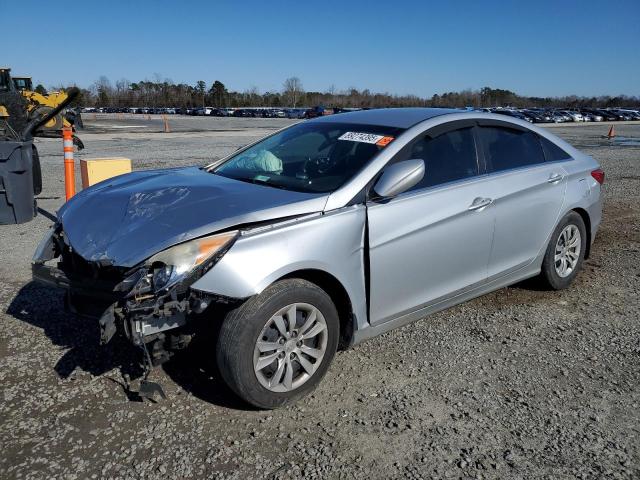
(612, 132)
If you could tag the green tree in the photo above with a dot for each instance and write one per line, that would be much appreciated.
(201, 88)
(218, 93)
(40, 89)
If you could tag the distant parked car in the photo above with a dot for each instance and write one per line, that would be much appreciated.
(314, 112)
(557, 117)
(607, 115)
(224, 112)
(514, 114)
(593, 115)
(203, 111)
(538, 116)
(574, 116)
(633, 114)
(295, 112)
(625, 114)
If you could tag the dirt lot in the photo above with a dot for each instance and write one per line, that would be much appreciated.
(521, 383)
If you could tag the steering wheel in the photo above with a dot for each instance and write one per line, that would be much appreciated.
(319, 166)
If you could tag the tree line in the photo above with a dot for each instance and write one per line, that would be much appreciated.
(164, 93)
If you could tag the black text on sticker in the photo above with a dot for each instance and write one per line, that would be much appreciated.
(361, 137)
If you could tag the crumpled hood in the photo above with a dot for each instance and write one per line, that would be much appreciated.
(125, 220)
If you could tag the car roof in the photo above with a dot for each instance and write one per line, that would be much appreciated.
(388, 117)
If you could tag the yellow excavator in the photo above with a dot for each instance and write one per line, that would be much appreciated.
(25, 104)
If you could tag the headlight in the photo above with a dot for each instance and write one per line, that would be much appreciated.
(173, 265)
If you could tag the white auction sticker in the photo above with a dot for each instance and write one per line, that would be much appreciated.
(361, 137)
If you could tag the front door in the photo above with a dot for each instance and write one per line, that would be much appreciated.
(433, 240)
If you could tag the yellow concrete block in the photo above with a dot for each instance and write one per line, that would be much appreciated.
(95, 170)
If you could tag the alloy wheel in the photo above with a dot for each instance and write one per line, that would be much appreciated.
(567, 252)
(290, 347)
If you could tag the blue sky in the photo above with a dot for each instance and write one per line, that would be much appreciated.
(536, 47)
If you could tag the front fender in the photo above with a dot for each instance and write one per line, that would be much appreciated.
(332, 242)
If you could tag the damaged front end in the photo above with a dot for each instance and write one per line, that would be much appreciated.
(150, 303)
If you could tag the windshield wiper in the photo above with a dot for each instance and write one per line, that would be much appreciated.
(258, 181)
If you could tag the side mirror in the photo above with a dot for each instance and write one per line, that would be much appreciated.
(399, 178)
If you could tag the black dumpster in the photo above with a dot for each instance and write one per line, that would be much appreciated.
(17, 203)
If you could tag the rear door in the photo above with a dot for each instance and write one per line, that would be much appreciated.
(527, 194)
(434, 240)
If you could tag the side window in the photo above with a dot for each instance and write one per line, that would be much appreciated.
(447, 157)
(506, 148)
(552, 152)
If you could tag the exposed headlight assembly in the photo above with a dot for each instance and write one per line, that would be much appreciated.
(173, 265)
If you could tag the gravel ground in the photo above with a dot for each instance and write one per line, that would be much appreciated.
(520, 383)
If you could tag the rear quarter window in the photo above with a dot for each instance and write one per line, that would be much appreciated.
(506, 148)
(552, 152)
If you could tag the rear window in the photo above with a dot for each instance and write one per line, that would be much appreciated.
(506, 148)
(552, 152)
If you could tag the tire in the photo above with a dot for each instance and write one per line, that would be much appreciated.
(248, 371)
(552, 273)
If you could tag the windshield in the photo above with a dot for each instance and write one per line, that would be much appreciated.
(309, 157)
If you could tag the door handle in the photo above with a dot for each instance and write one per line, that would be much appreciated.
(480, 203)
(555, 178)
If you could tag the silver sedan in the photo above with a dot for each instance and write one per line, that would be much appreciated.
(323, 235)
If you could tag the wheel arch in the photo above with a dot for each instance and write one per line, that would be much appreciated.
(587, 224)
(339, 295)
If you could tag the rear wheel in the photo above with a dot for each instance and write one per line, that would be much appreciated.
(276, 347)
(565, 252)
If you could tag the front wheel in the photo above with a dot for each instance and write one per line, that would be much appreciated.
(565, 252)
(276, 347)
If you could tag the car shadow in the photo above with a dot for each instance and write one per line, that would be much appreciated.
(43, 307)
(193, 370)
(533, 284)
(196, 373)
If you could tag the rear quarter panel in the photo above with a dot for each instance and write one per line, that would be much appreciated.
(583, 191)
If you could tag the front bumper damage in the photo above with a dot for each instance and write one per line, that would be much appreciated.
(158, 322)
(141, 319)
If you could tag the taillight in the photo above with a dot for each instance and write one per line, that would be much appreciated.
(598, 174)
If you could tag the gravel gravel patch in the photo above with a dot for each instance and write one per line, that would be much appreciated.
(521, 383)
